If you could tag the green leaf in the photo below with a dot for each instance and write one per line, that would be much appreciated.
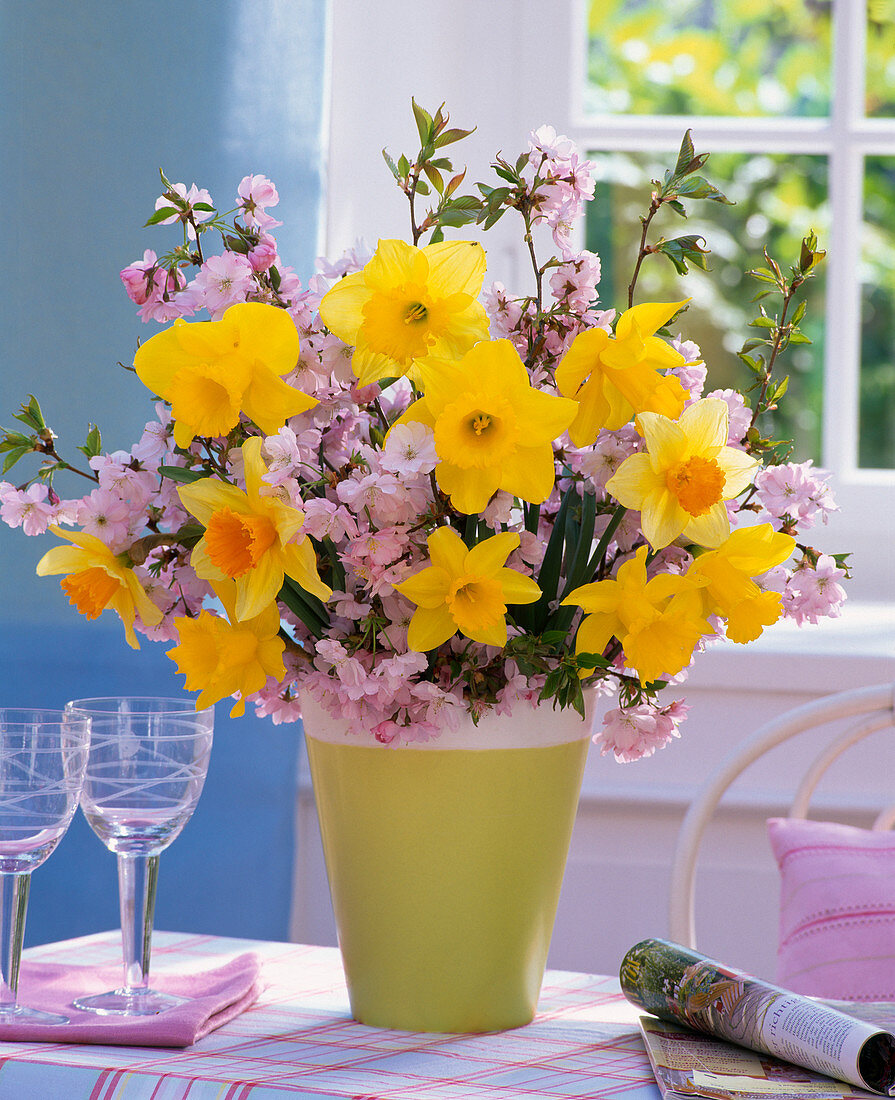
(548, 576)
(298, 602)
(13, 457)
(455, 218)
(799, 338)
(31, 414)
(422, 187)
(181, 474)
(161, 215)
(435, 177)
(93, 443)
(682, 251)
(10, 440)
(799, 313)
(685, 155)
(205, 207)
(448, 137)
(696, 187)
(403, 165)
(392, 166)
(763, 322)
(423, 121)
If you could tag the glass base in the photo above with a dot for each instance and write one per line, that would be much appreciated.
(21, 1014)
(128, 1002)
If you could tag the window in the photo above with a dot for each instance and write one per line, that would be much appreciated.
(794, 99)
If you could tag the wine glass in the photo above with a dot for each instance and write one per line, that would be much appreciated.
(147, 765)
(43, 754)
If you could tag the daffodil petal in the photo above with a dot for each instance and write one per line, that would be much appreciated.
(529, 473)
(705, 425)
(581, 360)
(739, 468)
(662, 518)
(447, 551)
(469, 490)
(208, 495)
(542, 416)
(62, 559)
(341, 309)
(517, 588)
(394, 263)
(487, 557)
(255, 589)
(267, 333)
(270, 402)
(456, 266)
(634, 481)
(647, 318)
(666, 441)
(428, 588)
(429, 627)
(595, 633)
(300, 563)
(710, 529)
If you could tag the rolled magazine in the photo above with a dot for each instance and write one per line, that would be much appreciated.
(684, 987)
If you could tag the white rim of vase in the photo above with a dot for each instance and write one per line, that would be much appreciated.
(527, 727)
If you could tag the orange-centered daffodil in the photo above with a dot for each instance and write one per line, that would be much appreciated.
(658, 621)
(727, 587)
(408, 303)
(210, 371)
(680, 483)
(492, 429)
(221, 658)
(98, 579)
(614, 377)
(465, 590)
(250, 537)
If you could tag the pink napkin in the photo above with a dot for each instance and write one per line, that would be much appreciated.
(216, 996)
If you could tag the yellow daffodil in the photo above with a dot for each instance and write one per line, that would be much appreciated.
(492, 429)
(658, 621)
(409, 303)
(614, 377)
(98, 579)
(210, 371)
(250, 537)
(221, 658)
(465, 590)
(680, 484)
(727, 585)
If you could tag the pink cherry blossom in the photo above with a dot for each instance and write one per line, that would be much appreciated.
(190, 197)
(410, 450)
(223, 281)
(796, 490)
(813, 594)
(30, 509)
(636, 732)
(256, 193)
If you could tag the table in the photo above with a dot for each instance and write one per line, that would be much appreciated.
(299, 1040)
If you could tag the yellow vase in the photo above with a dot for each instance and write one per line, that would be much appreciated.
(445, 864)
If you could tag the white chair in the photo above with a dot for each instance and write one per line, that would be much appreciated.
(874, 707)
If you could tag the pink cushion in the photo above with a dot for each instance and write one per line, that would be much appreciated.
(837, 909)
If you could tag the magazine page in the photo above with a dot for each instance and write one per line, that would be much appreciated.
(680, 985)
(687, 1064)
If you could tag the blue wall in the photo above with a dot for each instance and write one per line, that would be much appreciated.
(94, 98)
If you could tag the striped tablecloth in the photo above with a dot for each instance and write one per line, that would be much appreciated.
(300, 1041)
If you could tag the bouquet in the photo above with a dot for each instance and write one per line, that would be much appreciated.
(411, 497)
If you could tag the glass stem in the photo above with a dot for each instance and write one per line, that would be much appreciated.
(13, 907)
(137, 879)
